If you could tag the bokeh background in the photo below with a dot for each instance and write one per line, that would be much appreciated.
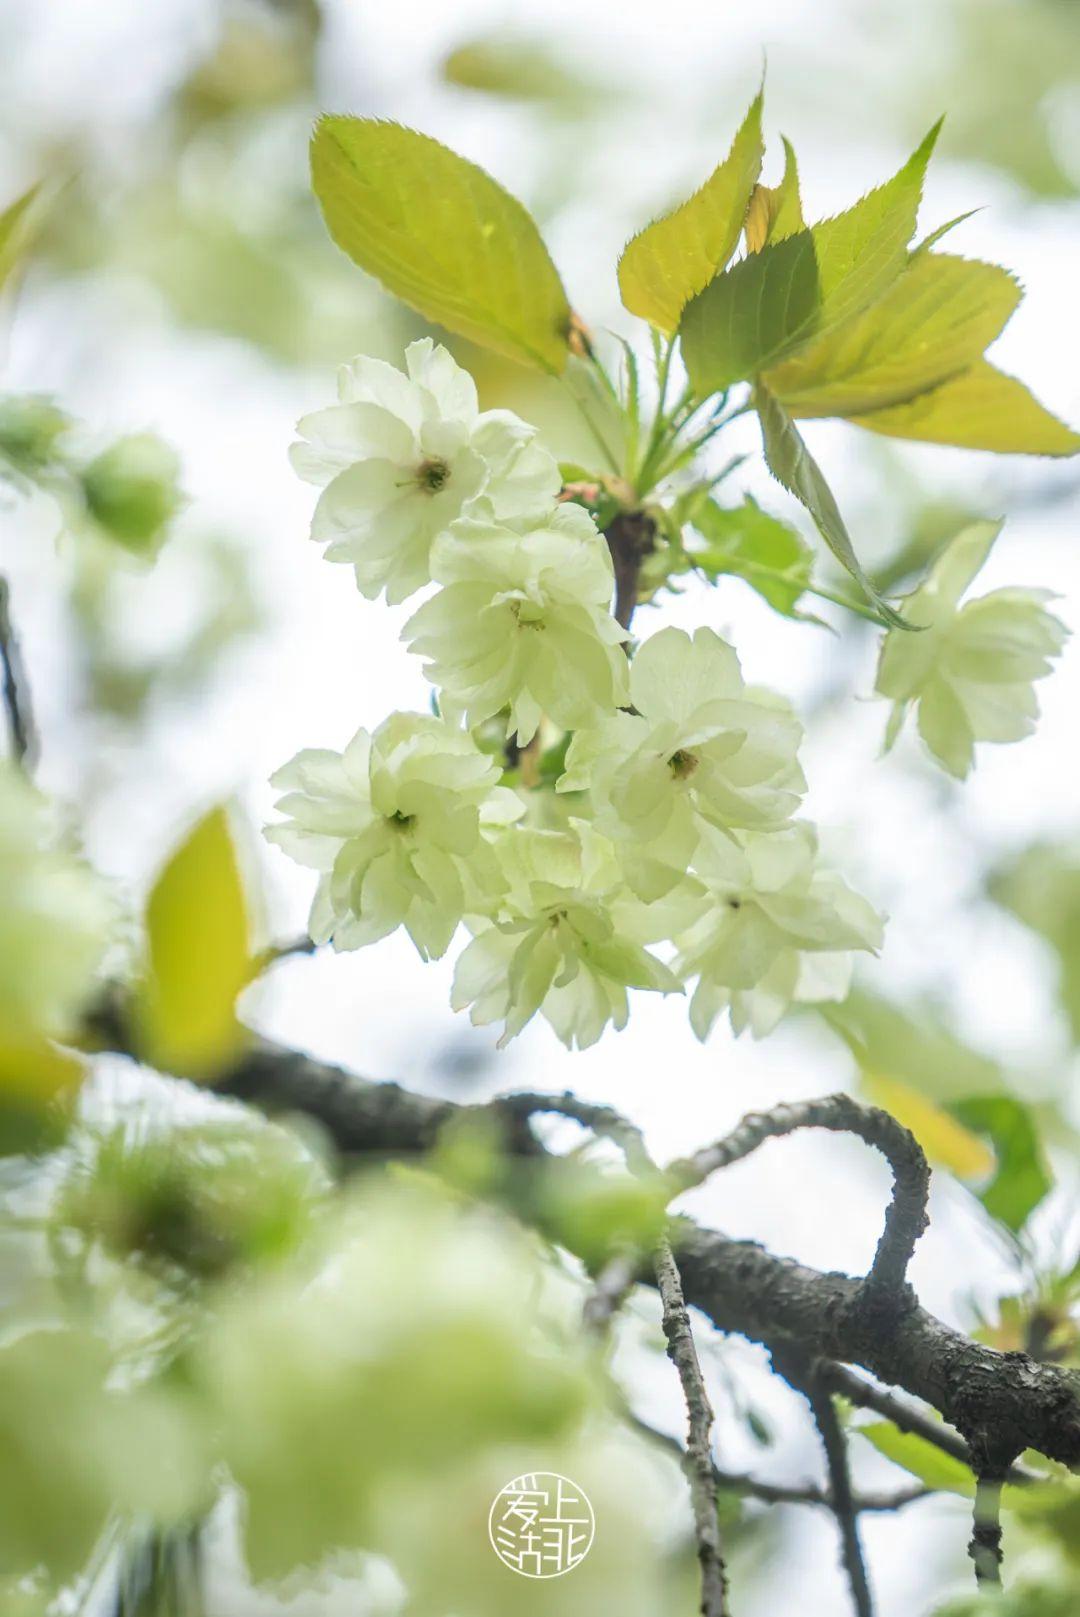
(185, 285)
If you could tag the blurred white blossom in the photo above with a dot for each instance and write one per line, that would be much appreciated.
(56, 918)
(969, 669)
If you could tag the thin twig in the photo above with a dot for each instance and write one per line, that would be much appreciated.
(612, 1286)
(697, 1461)
(906, 1218)
(602, 1120)
(857, 1390)
(284, 951)
(804, 1376)
(985, 1546)
(16, 689)
(776, 1493)
(610, 1290)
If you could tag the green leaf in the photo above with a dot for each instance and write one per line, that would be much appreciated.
(602, 1214)
(751, 316)
(17, 225)
(764, 308)
(932, 323)
(792, 464)
(749, 543)
(861, 251)
(981, 409)
(921, 1458)
(935, 236)
(1021, 1181)
(787, 213)
(443, 236)
(200, 958)
(673, 258)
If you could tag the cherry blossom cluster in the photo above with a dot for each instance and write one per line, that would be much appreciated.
(672, 819)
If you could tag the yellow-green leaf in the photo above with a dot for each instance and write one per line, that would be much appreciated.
(981, 409)
(673, 258)
(775, 211)
(522, 68)
(442, 235)
(788, 214)
(862, 250)
(199, 949)
(759, 217)
(38, 1082)
(931, 323)
(765, 308)
(792, 464)
(946, 1142)
(16, 230)
(921, 1458)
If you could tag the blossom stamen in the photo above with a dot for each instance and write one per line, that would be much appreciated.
(682, 764)
(433, 474)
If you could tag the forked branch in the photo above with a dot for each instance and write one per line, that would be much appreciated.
(906, 1218)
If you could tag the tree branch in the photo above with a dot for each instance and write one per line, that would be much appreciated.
(615, 1279)
(697, 1460)
(776, 1493)
(1001, 1403)
(802, 1374)
(16, 690)
(905, 1417)
(985, 1546)
(631, 536)
(607, 1296)
(906, 1218)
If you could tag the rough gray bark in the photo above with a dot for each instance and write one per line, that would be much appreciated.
(1000, 1403)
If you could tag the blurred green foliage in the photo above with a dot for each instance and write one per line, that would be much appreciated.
(1008, 67)
(127, 493)
(1041, 887)
(131, 492)
(518, 67)
(192, 1202)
